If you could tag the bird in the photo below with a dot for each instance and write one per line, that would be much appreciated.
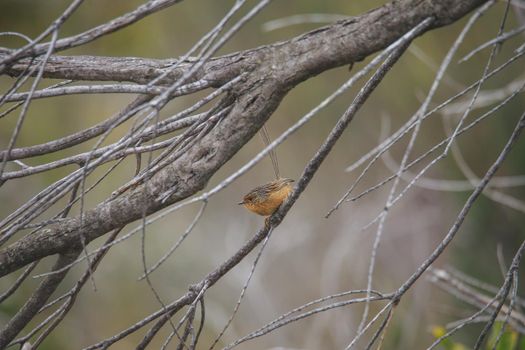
(264, 200)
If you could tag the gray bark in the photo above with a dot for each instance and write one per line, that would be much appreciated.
(273, 71)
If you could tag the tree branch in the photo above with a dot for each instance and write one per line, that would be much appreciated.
(339, 44)
(37, 300)
(274, 69)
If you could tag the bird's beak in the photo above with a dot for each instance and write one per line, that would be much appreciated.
(240, 203)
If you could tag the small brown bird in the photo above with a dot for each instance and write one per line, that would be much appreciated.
(266, 199)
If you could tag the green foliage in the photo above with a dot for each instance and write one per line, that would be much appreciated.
(447, 343)
(509, 340)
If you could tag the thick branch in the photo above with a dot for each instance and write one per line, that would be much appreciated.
(342, 43)
(37, 300)
(275, 70)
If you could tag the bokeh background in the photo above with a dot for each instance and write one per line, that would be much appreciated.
(308, 256)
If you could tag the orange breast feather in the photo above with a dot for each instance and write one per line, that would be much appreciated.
(269, 205)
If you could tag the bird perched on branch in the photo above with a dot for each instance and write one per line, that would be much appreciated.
(266, 199)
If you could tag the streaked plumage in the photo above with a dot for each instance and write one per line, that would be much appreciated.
(265, 199)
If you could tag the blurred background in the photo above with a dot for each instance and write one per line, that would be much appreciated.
(308, 256)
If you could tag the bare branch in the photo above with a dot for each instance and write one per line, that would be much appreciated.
(271, 82)
(36, 301)
(90, 35)
(468, 205)
(246, 87)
